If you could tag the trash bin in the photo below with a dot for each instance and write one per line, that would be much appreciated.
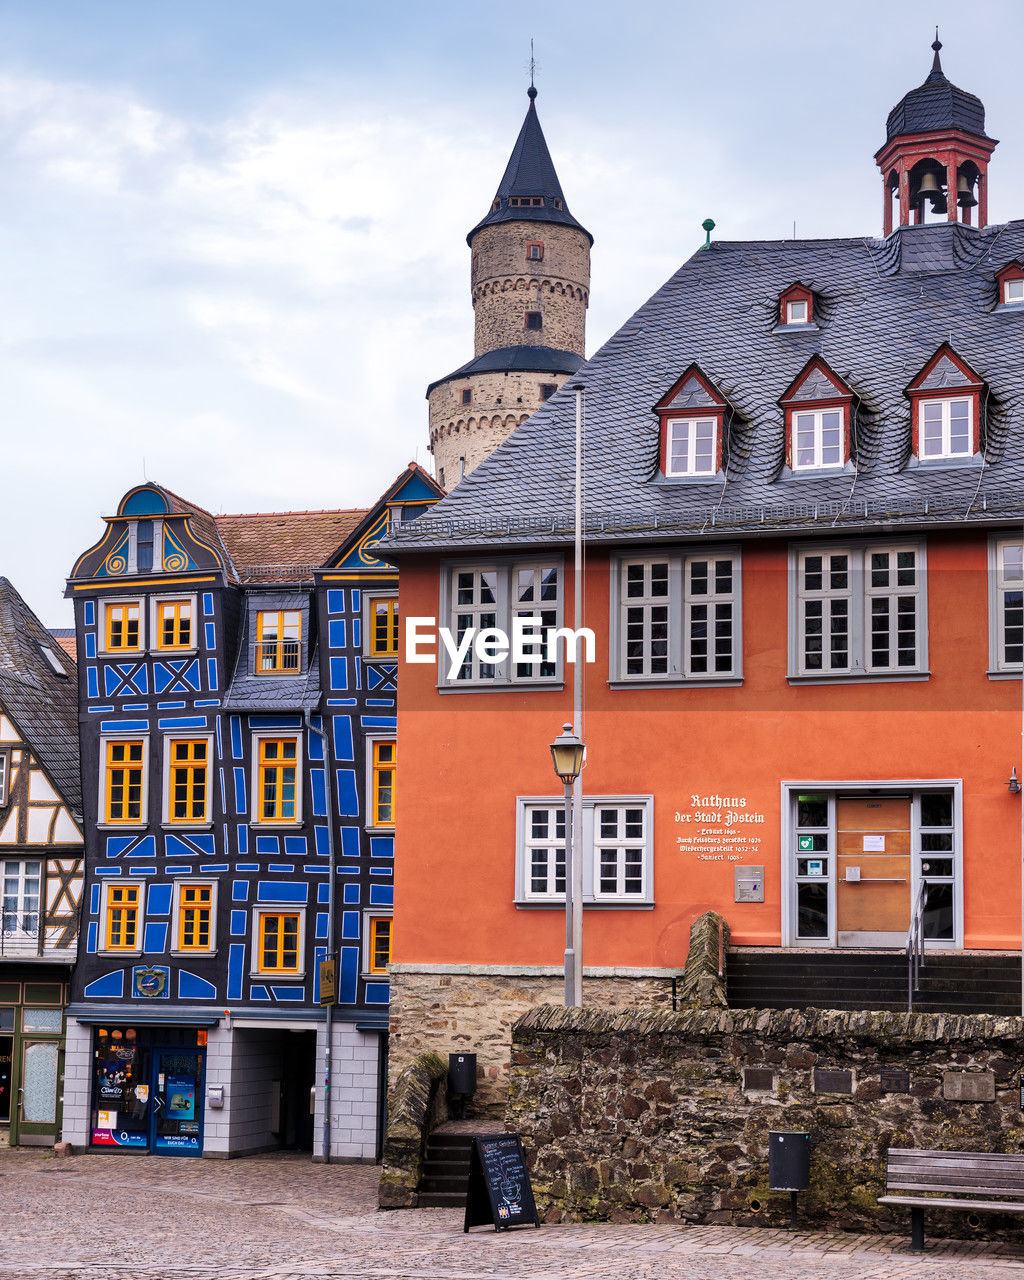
(789, 1160)
(462, 1073)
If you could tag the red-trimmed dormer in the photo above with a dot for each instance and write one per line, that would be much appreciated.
(945, 408)
(817, 404)
(796, 306)
(692, 415)
(1010, 283)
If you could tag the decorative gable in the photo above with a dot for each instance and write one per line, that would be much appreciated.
(817, 404)
(945, 399)
(796, 306)
(1010, 283)
(692, 417)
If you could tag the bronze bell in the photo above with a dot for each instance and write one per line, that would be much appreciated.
(929, 186)
(964, 192)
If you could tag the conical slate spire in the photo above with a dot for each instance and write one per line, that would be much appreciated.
(936, 106)
(936, 64)
(529, 190)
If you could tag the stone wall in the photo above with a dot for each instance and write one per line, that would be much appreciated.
(473, 1012)
(417, 1104)
(664, 1116)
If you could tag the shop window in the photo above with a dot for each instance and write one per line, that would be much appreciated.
(122, 626)
(194, 915)
(123, 796)
(122, 924)
(187, 775)
(278, 942)
(678, 617)
(382, 783)
(21, 881)
(377, 957)
(175, 624)
(380, 626)
(1006, 606)
(858, 610)
(277, 789)
(278, 638)
(616, 848)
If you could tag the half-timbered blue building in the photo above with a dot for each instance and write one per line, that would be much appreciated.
(237, 723)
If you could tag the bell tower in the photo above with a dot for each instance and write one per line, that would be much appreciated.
(936, 154)
(530, 285)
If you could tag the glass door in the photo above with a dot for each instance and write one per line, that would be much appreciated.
(177, 1112)
(121, 1089)
(873, 883)
(37, 1118)
(6, 1072)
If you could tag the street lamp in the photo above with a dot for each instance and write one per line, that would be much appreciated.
(567, 755)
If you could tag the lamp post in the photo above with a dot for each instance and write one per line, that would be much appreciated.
(567, 755)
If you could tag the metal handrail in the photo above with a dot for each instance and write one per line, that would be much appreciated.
(915, 945)
(721, 951)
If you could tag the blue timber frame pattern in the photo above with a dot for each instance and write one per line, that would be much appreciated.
(212, 716)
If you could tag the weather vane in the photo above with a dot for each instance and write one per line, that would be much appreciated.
(533, 64)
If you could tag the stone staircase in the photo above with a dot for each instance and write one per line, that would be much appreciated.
(951, 982)
(445, 1170)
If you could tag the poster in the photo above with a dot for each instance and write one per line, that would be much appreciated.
(181, 1098)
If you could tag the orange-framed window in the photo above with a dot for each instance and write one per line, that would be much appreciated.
(278, 634)
(188, 781)
(122, 932)
(195, 917)
(380, 944)
(278, 779)
(124, 781)
(278, 942)
(174, 624)
(384, 760)
(122, 630)
(384, 627)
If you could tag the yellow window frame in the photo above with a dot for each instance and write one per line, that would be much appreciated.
(383, 625)
(278, 929)
(278, 651)
(122, 917)
(195, 917)
(380, 944)
(124, 781)
(123, 626)
(188, 758)
(175, 616)
(277, 797)
(384, 764)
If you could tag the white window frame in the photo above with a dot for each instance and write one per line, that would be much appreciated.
(158, 544)
(192, 882)
(998, 587)
(101, 638)
(946, 405)
(790, 310)
(277, 909)
(154, 623)
(374, 913)
(101, 812)
(368, 600)
(118, 882)
(18, 933)
(370, 740)
(5, 776)
(258, 736)
(503, 610)
(692, 425)
(681, 604)
(818, 430)
(588, 846)
(169, 739)
(1017, 285)
(858, 594)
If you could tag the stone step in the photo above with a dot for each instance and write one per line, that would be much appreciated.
(442, 1199)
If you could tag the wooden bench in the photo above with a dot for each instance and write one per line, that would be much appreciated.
(969, 1180)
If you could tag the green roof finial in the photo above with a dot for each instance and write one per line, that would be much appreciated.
(708, 225)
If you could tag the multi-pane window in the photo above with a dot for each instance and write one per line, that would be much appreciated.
(936, 835)
(277, 783)
(195, 917)
(1007, 580)
(174, 624)
(21, 884)
(122, 917)
(277, 943)
(796, 312)
(379, 944)
(122, 627)
(188, 780)
(860, 611)
(383, 627)
(818, 439)
(945, 428)
(124, 779)
(679, 617)
(614, 846)
(5, 776)
(691, 446)
(383, 798)
(503, 598)
(278, 635)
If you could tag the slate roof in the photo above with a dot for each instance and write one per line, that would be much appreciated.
(521, 359)
(936, 105)
(530, 172)
(883, 309)
(42, 704)
(282, 546)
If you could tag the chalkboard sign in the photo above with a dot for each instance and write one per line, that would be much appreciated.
(499, 1188)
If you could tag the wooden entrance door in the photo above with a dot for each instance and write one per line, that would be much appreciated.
(872, 870)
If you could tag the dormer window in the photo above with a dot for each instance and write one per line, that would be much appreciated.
(817, 405)
(1013, 290)
(692, 414)
(796, 306)
(1010, 283)
(945, 400)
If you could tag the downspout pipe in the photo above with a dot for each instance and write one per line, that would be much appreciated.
(329, 1009)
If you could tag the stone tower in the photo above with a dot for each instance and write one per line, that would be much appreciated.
(530, 283)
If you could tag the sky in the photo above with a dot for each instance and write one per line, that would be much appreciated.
(232, 239)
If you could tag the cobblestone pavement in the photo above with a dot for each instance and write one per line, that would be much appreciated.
(115, 1217)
